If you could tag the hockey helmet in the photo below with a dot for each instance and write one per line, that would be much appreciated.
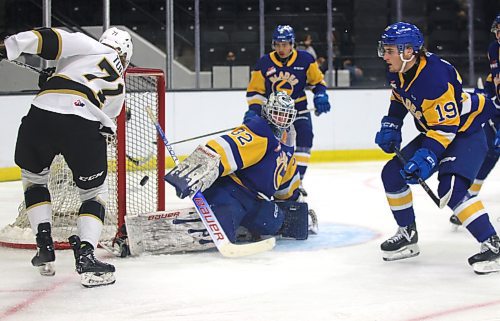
(280, 110)
(494, 26)
(284, 33)
(119, 40)
(402, 35)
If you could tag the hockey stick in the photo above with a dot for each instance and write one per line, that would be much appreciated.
(26, 66)
(225, 247)
(441, 203)
(226, 130)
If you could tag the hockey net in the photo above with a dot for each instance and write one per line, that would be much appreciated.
(136, 166)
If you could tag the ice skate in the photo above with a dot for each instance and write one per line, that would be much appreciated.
(402, 245)
(488, 259)
(45, 256)
(93, 272)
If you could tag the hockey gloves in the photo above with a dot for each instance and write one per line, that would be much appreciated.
(44, 75)
(421, 165)
(496, 143)
(321, 103)
(197, 172)
(389, 135)
(249, 115)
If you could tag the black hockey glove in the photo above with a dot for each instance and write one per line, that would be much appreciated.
(45, 75)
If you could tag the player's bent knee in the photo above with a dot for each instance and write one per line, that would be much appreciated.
(93, 208)
(30, 178)
(459, 192)
(36, 195)
(391, 178)
(267, 221)
(295, 224)
(99, 193)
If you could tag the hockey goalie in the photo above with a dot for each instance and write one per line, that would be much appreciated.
(250, 180)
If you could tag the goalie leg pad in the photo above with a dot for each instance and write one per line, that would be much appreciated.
(167, 232)
(267, 220)
(296, 223)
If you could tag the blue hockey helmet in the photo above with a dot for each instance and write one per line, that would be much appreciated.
(496, 22)
(284, 33)
(402, 35)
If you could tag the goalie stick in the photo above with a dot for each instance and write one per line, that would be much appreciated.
(225, 247)
(441, 203)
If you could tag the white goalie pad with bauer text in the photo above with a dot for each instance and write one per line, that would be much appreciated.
(166, 232)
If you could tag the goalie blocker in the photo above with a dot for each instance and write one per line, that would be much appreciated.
(181, 230)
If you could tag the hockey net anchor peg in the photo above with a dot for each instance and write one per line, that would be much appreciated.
(208, 218)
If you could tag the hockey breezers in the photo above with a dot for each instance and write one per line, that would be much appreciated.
(225, 247)
(440, 202)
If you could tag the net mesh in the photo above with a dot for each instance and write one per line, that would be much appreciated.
(141, 186)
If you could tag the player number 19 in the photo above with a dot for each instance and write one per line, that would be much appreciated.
(448, 110)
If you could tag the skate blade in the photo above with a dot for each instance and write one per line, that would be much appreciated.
(486, 267)
(91, 279)
(47, 269)
(403, 253)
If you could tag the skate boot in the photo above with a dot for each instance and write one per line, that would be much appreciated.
(45, 256)
(402, 245)
(488, 259)
(92, 271)
(455, 222)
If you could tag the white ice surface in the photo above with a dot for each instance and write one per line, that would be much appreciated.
(317, 279)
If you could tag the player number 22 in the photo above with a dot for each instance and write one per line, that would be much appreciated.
(448, 110)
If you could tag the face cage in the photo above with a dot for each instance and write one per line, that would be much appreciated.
(281, 117)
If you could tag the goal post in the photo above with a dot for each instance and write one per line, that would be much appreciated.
(136, 167)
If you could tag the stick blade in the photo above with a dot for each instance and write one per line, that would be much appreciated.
(238, 250)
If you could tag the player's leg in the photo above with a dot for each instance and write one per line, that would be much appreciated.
(399, 196)
(34, 154)
(84, 149)
(230, 203)
(304, 142)
(464, 164)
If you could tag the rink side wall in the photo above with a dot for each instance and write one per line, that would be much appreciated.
(344, 134)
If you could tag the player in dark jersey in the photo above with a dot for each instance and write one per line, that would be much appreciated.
(451, 143)
(254, 181)
(292, 71)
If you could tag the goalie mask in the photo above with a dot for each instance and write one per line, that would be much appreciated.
(121, 41)
(280, 110)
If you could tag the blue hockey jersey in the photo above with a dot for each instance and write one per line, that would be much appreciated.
(438, 103)
(270, 75)
(256, 160)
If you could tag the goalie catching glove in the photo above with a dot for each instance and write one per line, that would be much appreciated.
(197, 172)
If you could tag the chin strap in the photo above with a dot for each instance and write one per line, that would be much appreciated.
(405, 61)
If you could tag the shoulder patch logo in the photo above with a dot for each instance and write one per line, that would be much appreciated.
(270, 71)
(78, 103)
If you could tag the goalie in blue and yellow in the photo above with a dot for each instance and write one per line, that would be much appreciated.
(292, 71)
(452, 143)
(250, 177)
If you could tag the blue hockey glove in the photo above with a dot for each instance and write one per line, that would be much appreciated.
(420, 165)
(321, 103)
(249, 115)
(389, 135)
(496, 143)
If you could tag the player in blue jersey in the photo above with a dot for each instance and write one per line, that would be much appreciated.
(452, 143)
(493, 125)
(292, 71)
(255, 164)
